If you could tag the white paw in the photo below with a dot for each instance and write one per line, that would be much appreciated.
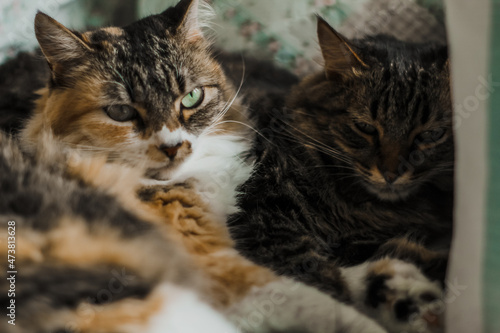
(397, 295)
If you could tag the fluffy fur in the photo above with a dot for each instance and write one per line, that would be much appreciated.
(110, 118)
(355, 164)
(90, 265)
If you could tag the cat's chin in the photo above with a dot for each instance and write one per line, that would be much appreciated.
(165, 170)
(390, 192)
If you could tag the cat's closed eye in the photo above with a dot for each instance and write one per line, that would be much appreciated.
(366, 128)
(121, 113)
(430, 136)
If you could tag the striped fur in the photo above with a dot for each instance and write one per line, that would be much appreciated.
(114, 234)
(354, 165)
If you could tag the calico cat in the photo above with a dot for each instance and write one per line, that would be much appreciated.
(90, 257)
(133, 156)
(355, 164)
(84, 262)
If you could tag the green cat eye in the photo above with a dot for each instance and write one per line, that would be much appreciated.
(121, 113)
(366, 128)
(193, 99)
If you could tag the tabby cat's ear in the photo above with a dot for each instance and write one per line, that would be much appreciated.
(340, 57)
(189, 24)
(58, 43)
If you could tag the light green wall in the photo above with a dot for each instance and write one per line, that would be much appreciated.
(492, 250)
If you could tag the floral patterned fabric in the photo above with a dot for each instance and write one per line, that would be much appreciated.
(286, 30)
(282, 30)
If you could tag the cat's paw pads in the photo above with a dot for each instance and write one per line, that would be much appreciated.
(402, 299)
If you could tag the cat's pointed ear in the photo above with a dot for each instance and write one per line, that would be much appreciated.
(189, 22)
(58, 43)
(340, 57)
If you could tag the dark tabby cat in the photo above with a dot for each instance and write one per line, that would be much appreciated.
(356, 165)
(20, 78)
(143, 108)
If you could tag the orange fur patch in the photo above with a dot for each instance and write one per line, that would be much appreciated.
(74, 244)
(376, 175)
(114, 31)
(155, 154)
(382, 267)
(86, 37)
(30, 245)
(207, 240)
(403, 245)
(187, 220)
(76, 117)
(128, 315)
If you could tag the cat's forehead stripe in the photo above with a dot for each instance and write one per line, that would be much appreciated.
(400, 98)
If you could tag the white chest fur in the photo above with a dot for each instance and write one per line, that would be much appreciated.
(218, 169)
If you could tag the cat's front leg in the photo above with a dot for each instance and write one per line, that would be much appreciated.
(397, 295)
(286, 305)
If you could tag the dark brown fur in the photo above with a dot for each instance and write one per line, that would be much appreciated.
(338, 175)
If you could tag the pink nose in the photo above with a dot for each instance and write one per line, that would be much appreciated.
(170, 151)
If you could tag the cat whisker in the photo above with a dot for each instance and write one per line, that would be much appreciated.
(122, 78)
(309, 137)
(229, 103)
(330, 152)
(240, 123)
(324, 149)
(347, 177)
(346, 167)
(118, 83)
(359, 181)
(109, 153)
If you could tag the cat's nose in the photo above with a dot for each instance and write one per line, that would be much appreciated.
(390, 177)
(169, 150)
